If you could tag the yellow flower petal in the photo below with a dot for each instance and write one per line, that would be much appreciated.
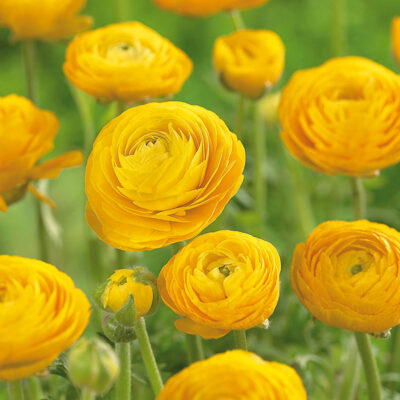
(235, 375)
(347, 275)
(52, 168)
(192, 328)
(41, 196)
(221, 281)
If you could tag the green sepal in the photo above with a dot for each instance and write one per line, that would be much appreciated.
(126, 315)
(117, 332)
(98, 294)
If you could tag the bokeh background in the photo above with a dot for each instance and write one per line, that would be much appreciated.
(298, 199)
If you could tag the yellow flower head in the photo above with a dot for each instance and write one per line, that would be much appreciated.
(249, 61)
(202, 8)
(128, 62)
(41, 312)
(396, 38)
(343, 117)
(122, 284)
(159, 174)
(221, 281)
(44, 19)
(347, 275)
(234, 375)
(26, 134)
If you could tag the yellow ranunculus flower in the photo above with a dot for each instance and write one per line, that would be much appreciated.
(159, 174)
(26, 134)
(221, 281)
(122, 284)
(249, 61)
(342, 117)
(128, 62)
(396, 38)
(233, 375)
(347, 275)
(41, 313)
(44, 19)
(202, 8)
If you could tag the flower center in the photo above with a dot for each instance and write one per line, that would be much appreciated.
(224, 270)
(134, 51)
(355, 269)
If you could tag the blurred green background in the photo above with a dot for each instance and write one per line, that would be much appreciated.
(319, 353)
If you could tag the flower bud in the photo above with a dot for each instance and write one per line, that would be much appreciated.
(268, 107)
(129, 294)
(93, 364)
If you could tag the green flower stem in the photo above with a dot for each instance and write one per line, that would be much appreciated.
(88, 394)
(359, 199)
(194, 348)
(84, 104)
(122, 10)
(34, 388)
(30, 66)
(237, 20)
(123, 384)
(15, 391)
(370, 366)
(240, 339)
(148, 356)
(301, 196)
(338, 27)
(351, 375)
(394, 361)
(260, 155)
(240, 115)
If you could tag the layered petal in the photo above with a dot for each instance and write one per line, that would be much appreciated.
(26, 134)
(249, 61)
(347, 274)
(343, 117)
(235, 375)
(159, 174)
(128, 62)
(202, 8)
(49, 20)
(221, 281)
(36, 295)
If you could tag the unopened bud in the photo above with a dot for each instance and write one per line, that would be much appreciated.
(93, 364)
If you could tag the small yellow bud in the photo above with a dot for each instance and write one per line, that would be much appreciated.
(268, 107)
(123, 283)
(93, 364)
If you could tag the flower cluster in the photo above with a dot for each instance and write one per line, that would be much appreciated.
(221, 281)
(235, 375)
(160, 173)
(343, 268)
(342, 117)
(42, 314)
(26, 134)
(128, 62)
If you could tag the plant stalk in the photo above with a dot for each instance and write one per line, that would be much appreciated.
(370, 366)
(88, 394)
(15, 391)
(148, 356)
(240, 339)
(359, 199)
(123, 384)
(237, 20)
(194, 348)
